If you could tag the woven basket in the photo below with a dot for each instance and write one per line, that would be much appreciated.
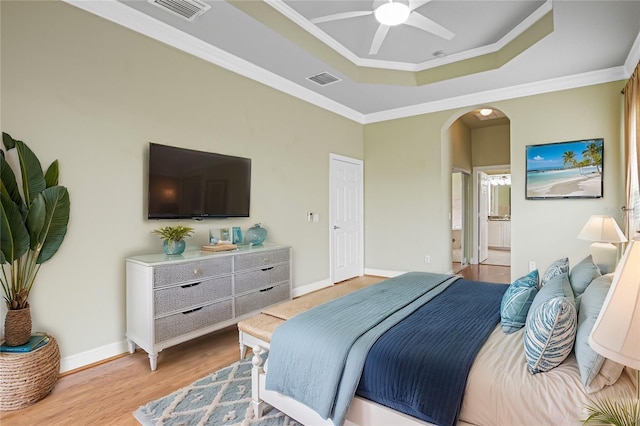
(26, 378)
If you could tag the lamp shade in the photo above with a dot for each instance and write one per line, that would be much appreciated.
(616, 333)
(603, 229)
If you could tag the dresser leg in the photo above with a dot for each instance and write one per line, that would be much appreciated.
(153, 360)
(132, 346)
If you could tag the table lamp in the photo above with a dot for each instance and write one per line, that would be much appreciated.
(604, 231)
(616, 333)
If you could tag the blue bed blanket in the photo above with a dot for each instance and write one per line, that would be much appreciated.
(420, 366)
(317, 356)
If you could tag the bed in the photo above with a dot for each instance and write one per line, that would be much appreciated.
(498, 389)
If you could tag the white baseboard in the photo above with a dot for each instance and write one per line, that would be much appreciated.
(299, 291)
(383, 273)
(93, 356)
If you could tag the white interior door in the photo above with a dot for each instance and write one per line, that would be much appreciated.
(346, 224)
(483, 217)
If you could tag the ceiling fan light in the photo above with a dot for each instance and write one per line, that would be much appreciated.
(392, 13)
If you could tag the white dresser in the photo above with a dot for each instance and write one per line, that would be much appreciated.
(172, 299)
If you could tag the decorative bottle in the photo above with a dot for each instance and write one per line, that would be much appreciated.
(256, 235)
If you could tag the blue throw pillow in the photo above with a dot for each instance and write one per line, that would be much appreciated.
(550, 334)
(589, 361)
(516, 302)
(557, 286)
(581, 276)
(558, 267)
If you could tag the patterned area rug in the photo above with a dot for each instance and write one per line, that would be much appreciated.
(221, 399)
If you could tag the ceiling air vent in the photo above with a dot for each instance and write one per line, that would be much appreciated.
(188, 9)
(324, 78)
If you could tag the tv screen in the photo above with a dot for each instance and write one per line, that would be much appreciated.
(185, 183)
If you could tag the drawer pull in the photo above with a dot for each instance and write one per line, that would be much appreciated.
(267, 269)
(192, 310)
(197, 272)
(190, 285)
(266, 289)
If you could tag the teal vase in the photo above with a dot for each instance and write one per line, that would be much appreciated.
(256, 235)
(173, 247)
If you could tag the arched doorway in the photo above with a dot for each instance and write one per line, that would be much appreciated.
(479, 141)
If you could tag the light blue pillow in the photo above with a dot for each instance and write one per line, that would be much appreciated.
(516, 302)
(589, 361)
(558, 286)
(581, 276)
(558, 267)
(550, 334)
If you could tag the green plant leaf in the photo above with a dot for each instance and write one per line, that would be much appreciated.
(8, 184)
(57, 209)
(14, 237)
(35, 221)
(8, 141)
(32, 177)
(51, 177)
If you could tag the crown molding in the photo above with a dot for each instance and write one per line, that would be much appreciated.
(633, 59)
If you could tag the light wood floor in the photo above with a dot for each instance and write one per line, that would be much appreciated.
(108, 394)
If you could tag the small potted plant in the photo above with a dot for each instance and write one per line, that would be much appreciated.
(173, 237)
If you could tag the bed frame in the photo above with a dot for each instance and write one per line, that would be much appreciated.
(361, 411)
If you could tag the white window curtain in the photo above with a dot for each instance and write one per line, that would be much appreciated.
(632, 149)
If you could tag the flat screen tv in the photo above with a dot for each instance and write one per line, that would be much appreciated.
(185, 183)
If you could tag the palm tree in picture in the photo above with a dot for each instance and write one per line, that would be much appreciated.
(594, 153)
(569, 157)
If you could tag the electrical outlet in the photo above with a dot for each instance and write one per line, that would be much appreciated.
(427, 259)
(532, 265)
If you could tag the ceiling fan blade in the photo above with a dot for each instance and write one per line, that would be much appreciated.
(426, 24)
(342, 15)
(414, 4)
(378, 38)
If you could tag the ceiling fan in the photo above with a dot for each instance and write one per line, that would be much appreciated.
(390, 13)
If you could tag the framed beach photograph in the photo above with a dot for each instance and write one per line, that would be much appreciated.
(563, 170)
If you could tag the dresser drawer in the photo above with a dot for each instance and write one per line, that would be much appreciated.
(181, 297)
(185, 322)
(189, 271)
(259, 299)
(253, 280)
(257, 260)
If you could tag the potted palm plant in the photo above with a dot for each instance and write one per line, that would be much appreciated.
(173, 237)
(33, 224)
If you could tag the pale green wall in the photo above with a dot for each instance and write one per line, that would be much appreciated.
(461, 147)
(407, 185)
(93, 95)
(490, 145)
(407, 195)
